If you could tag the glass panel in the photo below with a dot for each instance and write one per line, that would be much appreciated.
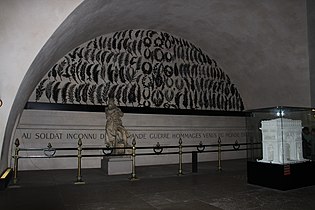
(275, 135)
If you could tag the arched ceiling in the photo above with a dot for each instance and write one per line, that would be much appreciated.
(246, 37)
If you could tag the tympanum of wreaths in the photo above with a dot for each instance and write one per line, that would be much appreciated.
(139, 68)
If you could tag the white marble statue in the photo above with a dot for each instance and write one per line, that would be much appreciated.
(282, 141)
(115, 133)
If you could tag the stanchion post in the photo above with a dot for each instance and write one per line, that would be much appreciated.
(219, 154)
(79, 175)
(133, 174)
(180, 153)
(16, 159)
(194, 161)
(252, 148)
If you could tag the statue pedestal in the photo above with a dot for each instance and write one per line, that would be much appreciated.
(117, 165)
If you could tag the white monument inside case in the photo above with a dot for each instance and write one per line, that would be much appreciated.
(282, 141)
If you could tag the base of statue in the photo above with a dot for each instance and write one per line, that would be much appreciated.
(117, 165)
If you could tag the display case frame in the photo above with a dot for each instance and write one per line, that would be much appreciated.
(279, 156)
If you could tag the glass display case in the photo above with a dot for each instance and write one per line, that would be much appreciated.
(281, 147)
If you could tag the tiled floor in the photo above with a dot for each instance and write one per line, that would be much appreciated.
(158, 187)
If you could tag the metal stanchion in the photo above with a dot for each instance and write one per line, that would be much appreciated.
(133, 174)
(219, 154)
(79, 176)
(16, 159)
(194, 161)
(180, 152)
(252, 148)
(200, 148)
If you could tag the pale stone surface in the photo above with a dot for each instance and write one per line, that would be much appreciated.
(116, 165)
(116, 134)
(282, 141)
(63, 129)
(25, 28)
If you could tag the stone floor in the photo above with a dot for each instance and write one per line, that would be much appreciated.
(158, 187)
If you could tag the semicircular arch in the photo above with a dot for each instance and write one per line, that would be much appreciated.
(139, 68)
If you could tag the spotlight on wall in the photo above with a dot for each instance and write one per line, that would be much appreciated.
(280, 113)
(1, 103)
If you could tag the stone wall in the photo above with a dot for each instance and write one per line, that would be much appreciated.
(37, 128)
(261, 45)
